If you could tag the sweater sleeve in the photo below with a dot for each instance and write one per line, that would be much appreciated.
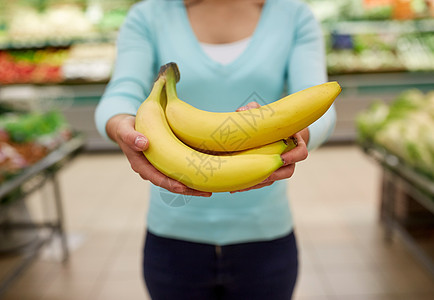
(307, 67)
(133, 72)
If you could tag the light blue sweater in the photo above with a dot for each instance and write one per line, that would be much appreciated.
(285, 55)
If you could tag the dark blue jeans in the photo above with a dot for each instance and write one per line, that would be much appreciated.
(175, 269)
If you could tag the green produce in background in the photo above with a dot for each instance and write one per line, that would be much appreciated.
(28, 127)
(404, 128)
(27, 137)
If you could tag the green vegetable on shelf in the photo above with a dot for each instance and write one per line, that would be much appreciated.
(28, 127)
(404, 128)
(370, 122)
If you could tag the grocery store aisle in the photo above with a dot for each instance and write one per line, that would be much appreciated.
(334, 198)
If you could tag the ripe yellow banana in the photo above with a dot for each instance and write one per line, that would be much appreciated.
(235, 131)
(195, 169)
(279, 147)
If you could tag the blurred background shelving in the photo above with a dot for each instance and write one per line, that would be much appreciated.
(60, 53)
(56, 57)
(375, 49)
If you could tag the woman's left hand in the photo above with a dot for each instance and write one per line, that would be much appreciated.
(290, 158)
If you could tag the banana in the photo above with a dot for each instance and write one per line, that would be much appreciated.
(195, 169)
(235, 131)
(279, 147)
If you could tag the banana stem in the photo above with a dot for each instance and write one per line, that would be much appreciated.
(173, 67)
(171, 79)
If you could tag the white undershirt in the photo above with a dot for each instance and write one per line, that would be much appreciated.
(225, 53)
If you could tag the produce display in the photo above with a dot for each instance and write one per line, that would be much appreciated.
(377, 35)
(191, 155)
(90, 62)
(404, 128)
(355, 10)
(26, 137)
(47, 41)
(30, 23)
(380, 52)
(31, 66)
(44, 41)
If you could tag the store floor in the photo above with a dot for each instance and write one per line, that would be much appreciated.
(334, 198)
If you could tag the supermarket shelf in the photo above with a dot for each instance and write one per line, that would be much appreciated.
(56, 42)
(78, 100)
(380, 26)
(360, 90)
(400, 80)
(422, 185)
(51, 162)
(401, 181)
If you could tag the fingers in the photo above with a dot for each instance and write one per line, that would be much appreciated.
(192, 192)
(128, 135)
(174, 186)
(282, 173)
(141, 143)
(249, 105)
(132, 144)
(297, 154)
(148, 172)
(258, 186)
(290, 158)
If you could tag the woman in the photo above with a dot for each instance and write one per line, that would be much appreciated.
(232, 54)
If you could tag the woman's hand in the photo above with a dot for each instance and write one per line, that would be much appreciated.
(120, 129)
(290, 158)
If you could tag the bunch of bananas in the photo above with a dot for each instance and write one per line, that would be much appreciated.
(222, 152)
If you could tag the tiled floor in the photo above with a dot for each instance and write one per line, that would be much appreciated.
(334, 196)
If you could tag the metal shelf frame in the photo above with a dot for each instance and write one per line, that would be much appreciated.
(30, 180)
(399, 176)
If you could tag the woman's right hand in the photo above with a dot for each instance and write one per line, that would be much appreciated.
(120, 129)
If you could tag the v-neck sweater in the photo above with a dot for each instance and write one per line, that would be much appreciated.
(285, 55)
